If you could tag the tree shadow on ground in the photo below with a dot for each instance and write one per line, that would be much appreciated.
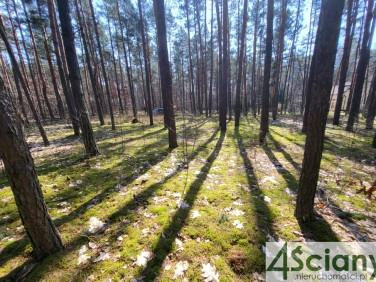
(17, 247)
(165, 244)
(263, 212)
(319, 230)
(263, 215)
(133, 203)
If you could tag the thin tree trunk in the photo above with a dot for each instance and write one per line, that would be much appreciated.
(192, 87)
(103, 66)
(264, 123)
(240, 67)
(74, 77)
(371, 112)
(211, 60)
(114, 63)
(36, 90)
(224, 77)
(253, 79)
(130, 82)
(23, 83)
(59, 54)
(42, 79)
(279, 60)
(165, 73)
(361, 69)
(59, 101)
(88, 62)
(147, 74)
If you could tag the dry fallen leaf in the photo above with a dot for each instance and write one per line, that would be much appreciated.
(209, 273)
(143, 258)
(237, 224)
(181, 266)
(95, 225)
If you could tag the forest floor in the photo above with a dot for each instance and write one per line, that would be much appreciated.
(202, 211)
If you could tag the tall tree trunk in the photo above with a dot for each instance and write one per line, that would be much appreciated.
(372, 104)
(279, 61)
(264, 123)
(192, 87)
(253, 78)
(114, 63)
(130, 82)
(350, 25)
(36, 90)
(211, 61)
(88, 62)
(104, 72)
(165, 73)
(147, 74)
(59, 101)
(74, 77)
(324, 54)
(19, 166)
(291, 55)
(361, 69)
(245, 90)
(59, 53)
(240, 67)
(304, 104)
(20, 98)
(225, 74)
(23, 83)
(42, 79)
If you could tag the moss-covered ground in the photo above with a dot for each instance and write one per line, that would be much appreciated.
(215, 199)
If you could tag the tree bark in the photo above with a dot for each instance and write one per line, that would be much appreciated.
(42, 79)
(192, 87)
(74, 77)
(59, 54)
(224, 79)
(19, 166)
(104, 72)
(165, 73)
(59, 101)
(279, 60)
(130, 82)
(36, 90)
(264, 123)
(361, 69)
(324, 54)
(253, 78)
(23, 83)
(89, 66)
(147, 74)
(372, 104)
(240, 66)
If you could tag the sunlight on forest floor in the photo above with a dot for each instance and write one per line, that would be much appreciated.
(165, 214)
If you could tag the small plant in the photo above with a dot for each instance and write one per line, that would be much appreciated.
(223, 218)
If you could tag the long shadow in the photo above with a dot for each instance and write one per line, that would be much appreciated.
(287, 156)
(320, 230)
(164, 244)
(107, 146)
(289, 178)
(16, 247)
(19, 246)
(142, 196)
(264, 214)
(356, 153)
(346, 219)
